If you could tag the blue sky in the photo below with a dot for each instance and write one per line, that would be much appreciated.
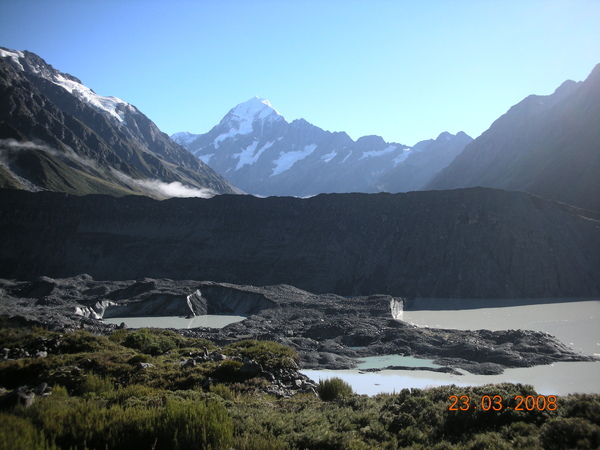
(404, 70)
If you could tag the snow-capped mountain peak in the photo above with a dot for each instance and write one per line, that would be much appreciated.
(255, 108)
(245, 114)
(31, 63)
(247, 117)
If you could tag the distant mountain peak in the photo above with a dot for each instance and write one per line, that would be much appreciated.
(254, 109)
(247, 117)
(184, 138)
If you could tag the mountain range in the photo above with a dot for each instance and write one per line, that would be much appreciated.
(260, 152)
(546, 145)
(57, 134)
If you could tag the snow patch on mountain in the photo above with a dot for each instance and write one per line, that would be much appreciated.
(232, 132)
(248, 156)
(402, 156)
(373, 153)
(287, 160)
(255, 108)
(347, 156)
(113, 106)
(329, 156)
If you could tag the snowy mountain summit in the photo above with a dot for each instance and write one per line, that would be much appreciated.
(260, 152)
(243, 119)
(254, 109)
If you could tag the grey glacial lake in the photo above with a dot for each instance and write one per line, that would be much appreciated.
(379, 362)
(575, 323)
(207, 321)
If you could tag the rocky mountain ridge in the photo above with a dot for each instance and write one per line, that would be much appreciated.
(57, 134)
(257, 150)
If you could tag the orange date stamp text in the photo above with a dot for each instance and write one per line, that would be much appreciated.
(497, 403)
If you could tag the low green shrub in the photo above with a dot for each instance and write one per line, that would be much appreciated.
(198, 343)
(95, 384)
(91, 423)
(572, 432)
(268, 354)
(17, 433)
(333, 389)
(139, 358)
(81, 341)
(228, 370)
(119, 336)
(153, 341)
(223, 391)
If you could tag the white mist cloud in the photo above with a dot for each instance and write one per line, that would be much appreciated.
(68, 153)
(13, 144)
(174, 189)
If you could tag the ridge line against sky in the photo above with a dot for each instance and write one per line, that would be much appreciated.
(404, 70)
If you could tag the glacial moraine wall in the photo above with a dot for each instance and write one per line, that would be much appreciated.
(468, 243)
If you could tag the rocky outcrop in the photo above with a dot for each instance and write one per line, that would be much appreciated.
(158, 305)
(471, 243)
(23, 396)
(45, 299)
(222, 298)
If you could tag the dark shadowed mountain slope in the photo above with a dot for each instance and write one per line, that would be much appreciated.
(547, 145)
(464, 243)
(57, 134)
(257, 150)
